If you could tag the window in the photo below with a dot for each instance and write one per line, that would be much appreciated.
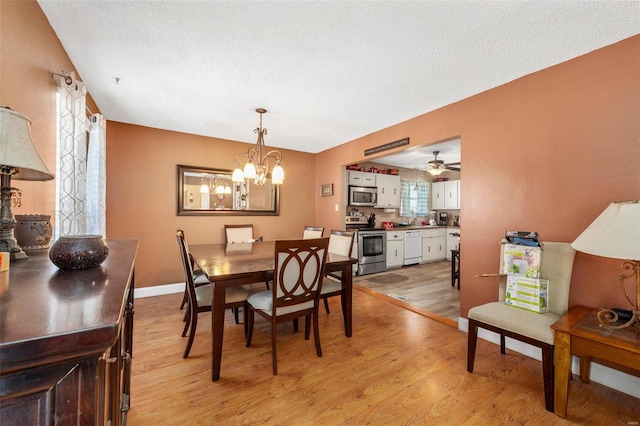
(414, 198)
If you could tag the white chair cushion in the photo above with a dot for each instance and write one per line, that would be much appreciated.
(200, 278)
(531, 324)
(233, 294)
(263, 301)
(330, 286)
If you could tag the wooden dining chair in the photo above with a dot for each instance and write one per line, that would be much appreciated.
(340, 242)
(200, 297)
(310, 232)
(298, 271)
(238, 233)
(199, 278)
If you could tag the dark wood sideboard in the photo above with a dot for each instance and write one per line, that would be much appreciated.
(66, 341)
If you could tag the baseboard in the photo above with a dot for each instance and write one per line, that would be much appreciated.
(606, 376)
(158, 290)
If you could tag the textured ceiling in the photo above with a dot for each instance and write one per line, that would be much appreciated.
(327, 72)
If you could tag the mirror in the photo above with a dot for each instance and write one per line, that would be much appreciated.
(205, 191)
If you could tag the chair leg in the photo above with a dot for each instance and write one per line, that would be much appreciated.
(326, 304)
(267, 284)
(245, 319)
(503, 346)
(316, 334)
(192, 334)
(236, 315)
(184, 298)
(472, 339)
(307, 327)
(187, 320)
(548, 376)
(295, 325)
(249, 325)
(274, 358)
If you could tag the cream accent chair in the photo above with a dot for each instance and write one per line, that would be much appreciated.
(529, 327)
(297, 276)
(310, 232)
(340, 242)
(238, 233)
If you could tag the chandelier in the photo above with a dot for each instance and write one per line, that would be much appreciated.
(256, 167)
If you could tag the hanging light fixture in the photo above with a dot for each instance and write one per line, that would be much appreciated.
(256, 167)
(416, 188)
(213, 184)
(436, 166)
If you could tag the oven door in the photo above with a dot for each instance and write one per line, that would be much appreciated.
(371, 247)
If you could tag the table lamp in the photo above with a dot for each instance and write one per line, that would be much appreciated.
(20, 160)
(616, 234)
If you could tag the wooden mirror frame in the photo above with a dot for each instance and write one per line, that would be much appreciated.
(184, 196)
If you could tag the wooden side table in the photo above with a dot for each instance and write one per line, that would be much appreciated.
(578, 333)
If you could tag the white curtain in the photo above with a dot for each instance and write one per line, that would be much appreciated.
(97, 176)
(80, 193)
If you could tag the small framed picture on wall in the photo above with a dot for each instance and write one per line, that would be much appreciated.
(326, 190)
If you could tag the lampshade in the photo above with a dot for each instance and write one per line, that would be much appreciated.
(615, 233)
(17, 150)
(435, 172)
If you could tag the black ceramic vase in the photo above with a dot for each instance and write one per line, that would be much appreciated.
(78, 252)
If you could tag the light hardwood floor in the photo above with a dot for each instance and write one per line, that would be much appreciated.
(399, 368)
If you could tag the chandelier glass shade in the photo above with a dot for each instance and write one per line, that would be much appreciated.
(257, 161)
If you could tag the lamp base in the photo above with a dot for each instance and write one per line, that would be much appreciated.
(608, 317)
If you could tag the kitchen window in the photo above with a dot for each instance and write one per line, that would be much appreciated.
(414, 198)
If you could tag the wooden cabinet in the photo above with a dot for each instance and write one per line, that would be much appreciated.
(362, 178)
(388, 191)
(66, 341)
(434, 244)
(445, 195)
(395, 249)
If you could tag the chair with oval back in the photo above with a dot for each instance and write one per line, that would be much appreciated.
(297, 276)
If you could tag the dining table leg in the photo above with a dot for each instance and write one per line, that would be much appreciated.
(217, 328)
(348, 285)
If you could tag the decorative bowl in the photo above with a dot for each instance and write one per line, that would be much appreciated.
(78, 252)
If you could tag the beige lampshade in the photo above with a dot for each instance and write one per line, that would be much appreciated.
(16, 147)
(615, 233)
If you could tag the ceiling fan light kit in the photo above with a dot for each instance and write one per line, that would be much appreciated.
(436, 167)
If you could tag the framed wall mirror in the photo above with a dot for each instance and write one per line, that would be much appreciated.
(206, 191)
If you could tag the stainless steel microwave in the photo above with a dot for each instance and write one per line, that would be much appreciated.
(363, 196)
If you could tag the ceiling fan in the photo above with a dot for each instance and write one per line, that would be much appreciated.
(435, 166)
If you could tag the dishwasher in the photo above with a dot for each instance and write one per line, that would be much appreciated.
(412, 247)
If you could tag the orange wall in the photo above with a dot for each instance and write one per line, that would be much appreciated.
(141, 195)
(547, 152)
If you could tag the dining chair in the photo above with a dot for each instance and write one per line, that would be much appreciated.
(310, 232)
(297, 277)
(340, 242)
(534, 328)
(199, 278)
(238, 233)
(200, 297)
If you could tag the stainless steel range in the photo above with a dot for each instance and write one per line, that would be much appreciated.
(371, 247)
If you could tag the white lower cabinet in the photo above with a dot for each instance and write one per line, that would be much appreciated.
(434, 244)
(395, 249)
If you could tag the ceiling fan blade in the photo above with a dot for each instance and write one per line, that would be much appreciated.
(453, 164)
(454, 169)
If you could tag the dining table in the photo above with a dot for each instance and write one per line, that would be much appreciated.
(229, 265)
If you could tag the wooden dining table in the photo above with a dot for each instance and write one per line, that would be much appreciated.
(228, 265)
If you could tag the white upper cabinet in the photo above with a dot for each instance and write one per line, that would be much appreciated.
(362, 178)
(445, 195)
(388, 191)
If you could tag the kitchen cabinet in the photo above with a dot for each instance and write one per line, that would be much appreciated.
(451, 194)
(437, 196)
(362, 178)
(395, 249)
(66, 341)
(445, 195)
(434, 244)
(388, 191)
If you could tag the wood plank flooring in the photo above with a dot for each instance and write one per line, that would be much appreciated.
(424, 289)
(399, 368)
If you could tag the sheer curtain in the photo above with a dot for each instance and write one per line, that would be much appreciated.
(76, 212)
